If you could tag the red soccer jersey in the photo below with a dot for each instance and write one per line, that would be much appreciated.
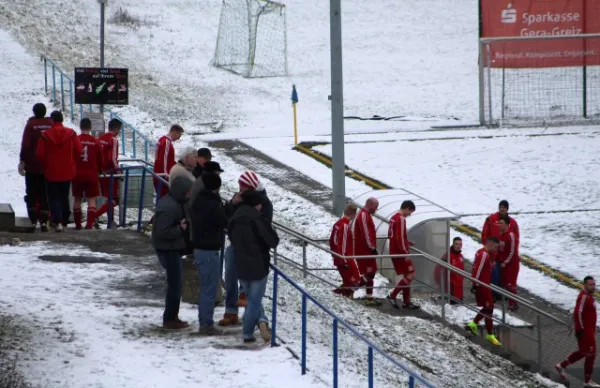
(89, 165)
(398, 235)
(482, 267)
(509, 248)
(164, 159)
(110, 153)
(492, 229)
(584, 314)
(365, 238)
(340, 240)
(58, 151)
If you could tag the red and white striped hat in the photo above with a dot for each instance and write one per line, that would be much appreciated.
(250, 179)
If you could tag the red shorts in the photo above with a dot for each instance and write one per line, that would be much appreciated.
(484, 297)
(587, 343)
(85, 189)
(510, 274)
(403, 266)
(105, 187)
(367, 266)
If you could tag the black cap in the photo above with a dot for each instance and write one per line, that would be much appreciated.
(212, 167)
(211, 181)
(503, 203)
(204, 153)
(251, 197)
(57, 116)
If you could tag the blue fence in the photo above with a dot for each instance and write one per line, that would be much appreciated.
(60, 87)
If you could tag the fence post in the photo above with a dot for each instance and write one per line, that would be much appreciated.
(481, 86)
(489, 74)
(158, 191)
(53, 84)
(122, 137)
(141, 207)
(62, 92)
(539, 339)
(275, 255)
(45, 76)
(71, 103)
(145, 150)
(133, 141)
(584, 86)
(370, 362)
(81, 112)
(110, 200)
(304, 265)
(503, 309)
(335, 353)
(274, 309)
(124, 196)
(303, 362)
(411, 382)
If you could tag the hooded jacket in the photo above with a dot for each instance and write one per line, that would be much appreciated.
(266, 211)
(31, 137)
(252, 237)
(208, 221)
(58, 150)
(167, 235)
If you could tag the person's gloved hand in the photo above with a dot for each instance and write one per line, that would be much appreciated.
(375, 252)
(578, 334)
(22, 168)
(474, 288)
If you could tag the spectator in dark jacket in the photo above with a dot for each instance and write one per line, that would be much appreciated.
(168, 230)
(208, 228)
(33, 170)
(252, 237)
(204, 155)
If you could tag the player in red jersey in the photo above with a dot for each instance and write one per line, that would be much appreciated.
(508, 257)
(400, 245)
(491, 227)
(456, 280)
(482, 271)
(340, 242)
(365, 244)
(86, 182)
(110, 165)
(164, 159)
(584, 316)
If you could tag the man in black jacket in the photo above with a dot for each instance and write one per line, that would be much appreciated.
(252, 237)
(208, 227)
(168, 240)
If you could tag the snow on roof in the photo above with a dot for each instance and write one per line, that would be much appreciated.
(390, 201)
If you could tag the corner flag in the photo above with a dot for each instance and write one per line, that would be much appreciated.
(294, 95)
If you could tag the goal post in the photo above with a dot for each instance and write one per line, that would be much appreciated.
(532, 80)
(252, 38)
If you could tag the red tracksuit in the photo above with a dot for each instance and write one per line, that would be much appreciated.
(456, 280)
(340, 242)
(365, 242)
(58, 150)
(584, 317)
(86, 183)
(492, 229)
(508, 255)
(110, 165)
(482, 270)
(399, 245)
(164, 160)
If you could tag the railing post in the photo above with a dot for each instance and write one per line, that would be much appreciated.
(45, 76)
(370, 362)
(503, 309)
(122, 137)
(274, 309)
(303, 361)
(141, 207)
(62, 92)
(539, 339)
(133, 141)
(124, 196)
(110, 200)
(71, 103)
(411, 382)
(145, 150)
(53, 83)
(158, 191)
(304, 264)
(275, 255)
(335, 353)
(81, 112)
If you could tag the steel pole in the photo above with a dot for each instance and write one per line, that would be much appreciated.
(102, 12)
(338, 167)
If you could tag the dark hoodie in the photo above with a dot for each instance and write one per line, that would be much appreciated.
(31, 137)
(252, 237)
(57, 151)
(167, 235)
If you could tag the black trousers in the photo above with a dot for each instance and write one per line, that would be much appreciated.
(171, 262)
(58, 199)
(35, 193)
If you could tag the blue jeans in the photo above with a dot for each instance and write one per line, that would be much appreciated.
(171, 262)
(209, 274)
(254, 314)
(58, 199)
(231, 282)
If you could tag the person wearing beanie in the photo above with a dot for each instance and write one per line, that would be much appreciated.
(208, 227)
(203, 156)
(252, 237)
(236, 297)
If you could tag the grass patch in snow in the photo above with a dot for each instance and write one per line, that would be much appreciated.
(10, 376)
(122, 17)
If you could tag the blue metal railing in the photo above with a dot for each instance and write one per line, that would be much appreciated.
(413, 377)
(130, 136)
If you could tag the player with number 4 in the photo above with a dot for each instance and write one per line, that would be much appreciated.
(85, 184)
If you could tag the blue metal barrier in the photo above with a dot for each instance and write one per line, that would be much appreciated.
(277, 273)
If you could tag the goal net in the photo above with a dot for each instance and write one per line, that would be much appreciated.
(252, 39)
(537, 80)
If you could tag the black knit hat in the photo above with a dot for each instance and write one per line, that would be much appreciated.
(211, 181)
(251, 197)
(212, 167)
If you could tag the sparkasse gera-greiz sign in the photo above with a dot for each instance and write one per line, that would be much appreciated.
(101, 86)
(506, 18)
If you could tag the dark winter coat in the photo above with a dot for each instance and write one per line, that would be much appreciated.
(252, 237)
(167, 235)
(266, 211)
(198, 170)
(208, 221)
(31, 136)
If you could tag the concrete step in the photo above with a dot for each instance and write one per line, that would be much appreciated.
(9, 222)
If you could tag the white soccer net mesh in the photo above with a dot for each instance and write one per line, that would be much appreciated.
(252, 38)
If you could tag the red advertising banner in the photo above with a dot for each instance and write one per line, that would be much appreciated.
(531, 18)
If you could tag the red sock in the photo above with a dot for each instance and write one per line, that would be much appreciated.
(91, 217)
(588, 368)
(77, 216)
(104, 208)
(478, 317)
(406, 291)
(489, 325)
(399, 287)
